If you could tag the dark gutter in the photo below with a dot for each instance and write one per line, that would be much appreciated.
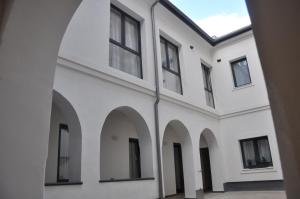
(232, 34)
(178, 13)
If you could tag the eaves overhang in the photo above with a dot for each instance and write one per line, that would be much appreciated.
(183, 17)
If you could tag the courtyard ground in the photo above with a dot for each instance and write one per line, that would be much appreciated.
(242, 195)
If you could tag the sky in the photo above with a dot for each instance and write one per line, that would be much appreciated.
(216, 17)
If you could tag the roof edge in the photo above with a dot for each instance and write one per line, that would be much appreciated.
(189, 22)
(232, 34)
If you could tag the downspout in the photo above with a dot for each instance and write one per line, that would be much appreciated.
(157, 94)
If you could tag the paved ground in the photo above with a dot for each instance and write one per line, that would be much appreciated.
(242, 195)
(247, 195)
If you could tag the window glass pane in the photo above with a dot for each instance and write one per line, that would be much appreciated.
(204, 77)
(264, 151)
(241, 73)
(249, 153)
(124, 60)
(173, 58)
(171, 81)
(131, 34)
(209, 99)
(115, 25)
(208, 86)
(163, 54)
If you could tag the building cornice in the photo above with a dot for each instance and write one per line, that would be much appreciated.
(63, 62)
(244, 112)
(148, 90)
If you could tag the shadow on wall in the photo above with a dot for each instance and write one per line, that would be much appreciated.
(209, 141)
(125, 146)
(5, 6)
(64, 149)
(177, 155)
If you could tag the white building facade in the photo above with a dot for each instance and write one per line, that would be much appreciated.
(213, 129)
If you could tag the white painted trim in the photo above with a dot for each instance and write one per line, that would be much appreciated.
(243, 112)
(259, 170)
(242, 87)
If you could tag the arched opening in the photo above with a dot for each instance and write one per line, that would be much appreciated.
(211, 162)
(30, 36)
(125, 147)
(64, 150)
(177, 153)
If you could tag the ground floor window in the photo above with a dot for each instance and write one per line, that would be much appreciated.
(134, 158)
(63, 154)
(256, 152)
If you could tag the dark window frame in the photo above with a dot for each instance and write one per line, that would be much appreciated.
(233, 74)
(122, 44)
(207, 73)
(168, 68)
(258, 163)
(58, 180)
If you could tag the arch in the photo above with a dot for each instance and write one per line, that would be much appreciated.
(177, 135)
(64, 150)
(208, 141)
(26, 95)
(122, 126)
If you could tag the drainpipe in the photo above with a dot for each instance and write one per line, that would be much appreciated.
(157, 93)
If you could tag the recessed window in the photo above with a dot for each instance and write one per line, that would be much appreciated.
(240, 71)
(256, 153)
(170, 66)
(207, 86)
(125, 43)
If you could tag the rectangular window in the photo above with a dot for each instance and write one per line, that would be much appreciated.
(63, 154)
(170, 66)
(125, 43)
(240, 71)
(207, 86)
(134, 158)
(256, 152)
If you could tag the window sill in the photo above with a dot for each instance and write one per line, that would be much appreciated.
(258, 170)
(243, 87)
(62, 183)
(126, 180)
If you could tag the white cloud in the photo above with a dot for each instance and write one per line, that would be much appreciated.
(222, 24)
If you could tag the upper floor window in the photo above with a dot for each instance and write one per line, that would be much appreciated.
(207, 86)
(125, 43)
(170, 66)
(240, 71)
(256, 152)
